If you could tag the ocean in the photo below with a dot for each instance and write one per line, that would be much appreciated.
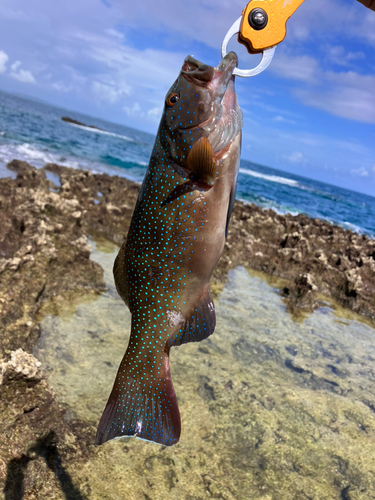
(34, 132)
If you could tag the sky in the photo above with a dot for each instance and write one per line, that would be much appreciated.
(312, 112)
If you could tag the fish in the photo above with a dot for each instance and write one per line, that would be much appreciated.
(175, 239)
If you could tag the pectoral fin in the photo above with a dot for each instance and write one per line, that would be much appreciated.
(201, 163)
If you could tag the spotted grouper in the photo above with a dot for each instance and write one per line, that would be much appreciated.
(175, 240)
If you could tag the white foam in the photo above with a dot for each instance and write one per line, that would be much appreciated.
(352, 227)
(104, 132)
(283, 211)
(38, 157)
(271, 178)
(33, 153)
(269, 204)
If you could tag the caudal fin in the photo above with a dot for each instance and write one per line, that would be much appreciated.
(141, 405)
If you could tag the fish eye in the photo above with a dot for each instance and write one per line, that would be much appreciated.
(172, 99)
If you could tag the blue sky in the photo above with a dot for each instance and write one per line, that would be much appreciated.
(312, 112)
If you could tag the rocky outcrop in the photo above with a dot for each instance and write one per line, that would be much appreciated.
(313, 255)
(44, 255)
(20, 366)
(338, 263)
(44, 262)
(76, 122)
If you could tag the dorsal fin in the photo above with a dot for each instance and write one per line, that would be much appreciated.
(201, 162)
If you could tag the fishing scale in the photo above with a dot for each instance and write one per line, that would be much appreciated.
(261, 27)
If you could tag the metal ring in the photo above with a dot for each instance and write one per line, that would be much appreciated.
(267, 54)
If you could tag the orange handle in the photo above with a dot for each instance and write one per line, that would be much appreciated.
(253, 35)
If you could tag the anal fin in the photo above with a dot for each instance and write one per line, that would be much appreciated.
(200, 323)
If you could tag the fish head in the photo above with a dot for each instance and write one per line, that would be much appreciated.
(201, 103)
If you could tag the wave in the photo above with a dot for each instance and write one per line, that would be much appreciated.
(271, 205)
(104, 132)
(292, 183)
(38, 157)
(354, 228)
(280, 209)
(271, 178)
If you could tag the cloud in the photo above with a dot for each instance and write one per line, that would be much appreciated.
(185, 21)
(296, 157)
(9, 13)
(360, 172)
(281, 119)
(3, 61)
(115, 33)
(22, 75)
(329, 18)
(149, 68)
(62, 87)
(15, 65)
(302, 68)
(347, 94)
(109, 91)
(155, 113)
(121, 74)
(309, 141)
(340, 56)
(192, 20)
(134, 110)
(344, 101)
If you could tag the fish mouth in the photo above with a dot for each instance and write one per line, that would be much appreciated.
(224, 73)
(225, 121)
(205, 74)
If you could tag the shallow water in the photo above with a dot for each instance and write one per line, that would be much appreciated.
(270, 408)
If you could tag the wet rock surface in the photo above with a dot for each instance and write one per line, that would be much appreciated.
(45, 267)
(313, 255)
(44, 264)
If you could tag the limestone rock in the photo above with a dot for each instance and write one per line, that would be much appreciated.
(20, 366)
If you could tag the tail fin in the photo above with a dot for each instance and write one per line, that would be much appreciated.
(141, 405)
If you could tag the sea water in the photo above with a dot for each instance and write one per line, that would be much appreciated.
(34, 132)
(271, 408)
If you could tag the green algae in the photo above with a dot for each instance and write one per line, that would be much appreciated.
(271, 408)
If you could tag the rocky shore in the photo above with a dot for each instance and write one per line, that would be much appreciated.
(45, 267)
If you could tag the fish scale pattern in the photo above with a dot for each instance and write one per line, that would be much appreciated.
(162, 278)
(144, 399)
